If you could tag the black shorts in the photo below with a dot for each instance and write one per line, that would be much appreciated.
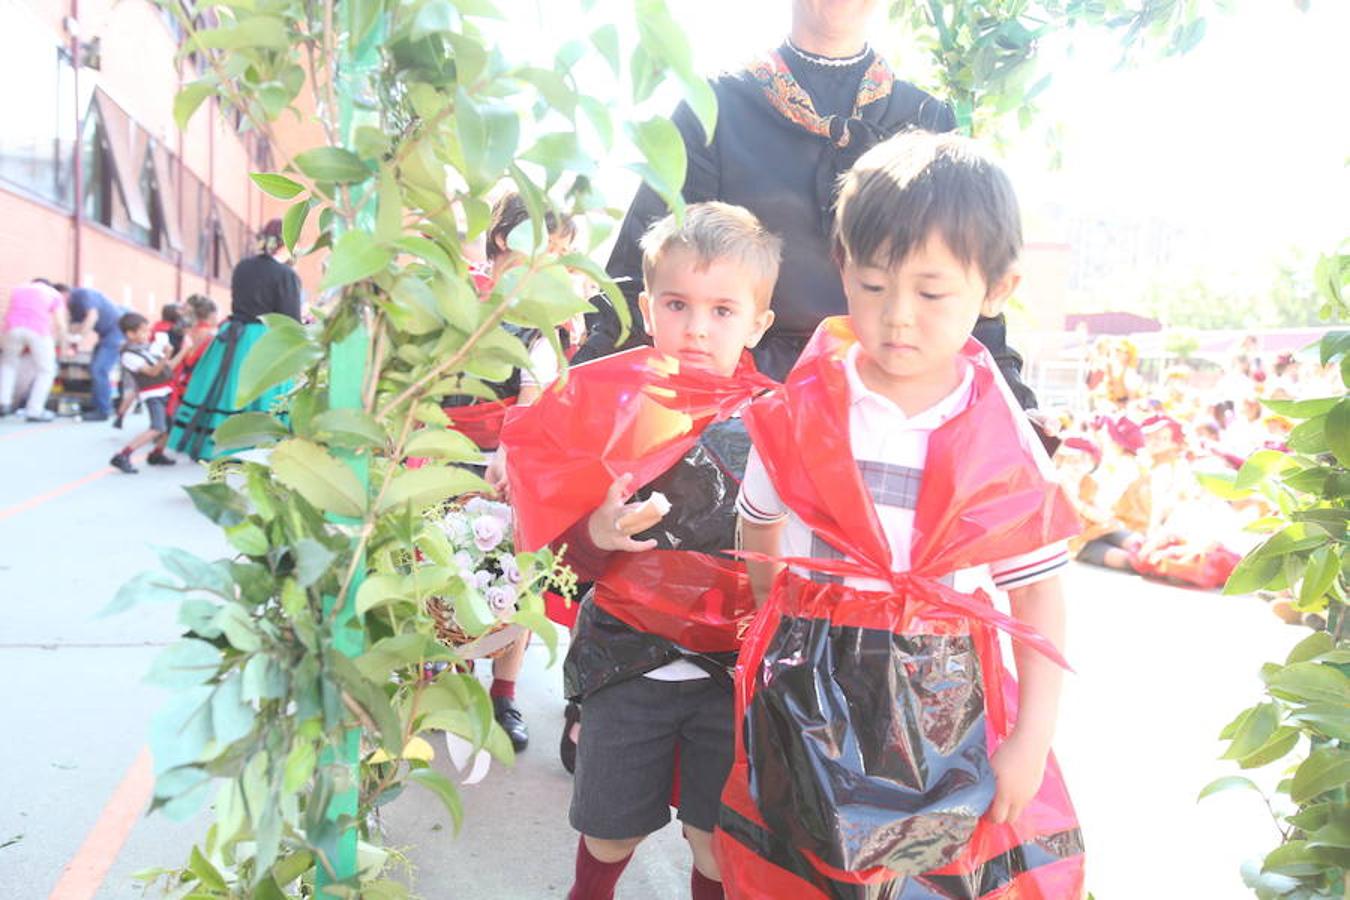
(158, 409)
(626, 756)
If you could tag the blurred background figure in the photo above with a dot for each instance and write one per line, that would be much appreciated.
(35, 324)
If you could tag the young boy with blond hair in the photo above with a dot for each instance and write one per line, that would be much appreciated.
(634, 465)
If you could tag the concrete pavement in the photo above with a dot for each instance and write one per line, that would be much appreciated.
(1159, 671)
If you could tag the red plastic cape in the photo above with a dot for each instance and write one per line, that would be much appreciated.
(984, 497)
(635, 412)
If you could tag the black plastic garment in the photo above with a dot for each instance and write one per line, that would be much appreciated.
(702, 488)
(869, 747)
(605, 651)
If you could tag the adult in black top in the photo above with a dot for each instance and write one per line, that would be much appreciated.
(785, 174)
(261, 284)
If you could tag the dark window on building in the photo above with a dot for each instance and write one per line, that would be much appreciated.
(98, 176)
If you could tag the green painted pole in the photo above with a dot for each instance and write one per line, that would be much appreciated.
(348, 364)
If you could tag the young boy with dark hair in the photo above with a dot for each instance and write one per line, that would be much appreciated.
(893, 474)
(152, 371)
(653, 641)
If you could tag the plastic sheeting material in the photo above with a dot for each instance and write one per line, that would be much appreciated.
(868, 718)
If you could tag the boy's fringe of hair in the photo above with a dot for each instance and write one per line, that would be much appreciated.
(714, 231)
(917, 184)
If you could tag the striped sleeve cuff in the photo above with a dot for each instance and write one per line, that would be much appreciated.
(1029, 568)
(751, 513)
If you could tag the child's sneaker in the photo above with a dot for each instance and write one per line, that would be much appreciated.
(123, 462)
(117, 422)
(161, 459)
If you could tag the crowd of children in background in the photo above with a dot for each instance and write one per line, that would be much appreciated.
(1131, 457)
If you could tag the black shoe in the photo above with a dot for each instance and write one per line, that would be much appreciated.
(123, 462)
(96, 417)
(161, 459)
(513, 723)
(117, 422)
(4, 411)
(567, 748)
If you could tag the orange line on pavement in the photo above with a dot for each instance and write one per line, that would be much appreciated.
(85, 872)
(34, 429)
(33, 502)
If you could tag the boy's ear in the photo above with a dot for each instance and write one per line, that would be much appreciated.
(763, 319)
(645, 307)
(1000, 291)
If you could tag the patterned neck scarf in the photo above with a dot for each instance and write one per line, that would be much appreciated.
(847, 137)
(790, 99)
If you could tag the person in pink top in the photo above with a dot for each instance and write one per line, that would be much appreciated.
(35, 322)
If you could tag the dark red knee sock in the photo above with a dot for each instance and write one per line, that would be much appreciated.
(502, 688)
(595, 880)
(701, 887)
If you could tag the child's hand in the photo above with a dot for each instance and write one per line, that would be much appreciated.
(604, 522)
(1019, 767)
(496, 473)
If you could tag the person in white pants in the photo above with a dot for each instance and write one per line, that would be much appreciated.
(35, 322)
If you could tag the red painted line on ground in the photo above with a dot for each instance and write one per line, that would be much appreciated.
(34, 429)
(85, 872)
(34, 502)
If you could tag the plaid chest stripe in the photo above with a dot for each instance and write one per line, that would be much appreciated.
(889, 485)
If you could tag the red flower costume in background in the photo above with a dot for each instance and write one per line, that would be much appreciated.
(635, 413)
(867, 719)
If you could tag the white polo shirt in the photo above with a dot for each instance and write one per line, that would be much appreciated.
(890, 448)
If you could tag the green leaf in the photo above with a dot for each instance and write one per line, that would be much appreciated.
(1312, 646)
(1254, 731)
(248, 539)
(300, 763)
(1221, 485)
(255, 32)
(181, 729)
(190, 98)
(293, 221)
(1292, 858)
(278, 186)
(1227, 782)
(281, 354)
(429, 250)
(333, 165)
(379, 590)
(1302, 409)
(239, 628)
(318, 477)
(443, 444)
(389, 218)
(433, 17)
(249, 429)
(218, 501)
(1252, 574)
(312, 561)
(1310, 682)
(372, 700)
(263, 679)
(1325, 769)
(1323, 569)
(1310, 437)
(662, 147)
(429, 485)
(354, 256)
(186, 663)
(206, 873)
(1276, 747)
(197, 572)
(606, 40)
(1260, 466)
(541, 625)
(352, 429)
(488, 136)
(444, 789)
(147, 587)
(1338, 432)
(544, 298)
(231, 717)
(413, 307)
